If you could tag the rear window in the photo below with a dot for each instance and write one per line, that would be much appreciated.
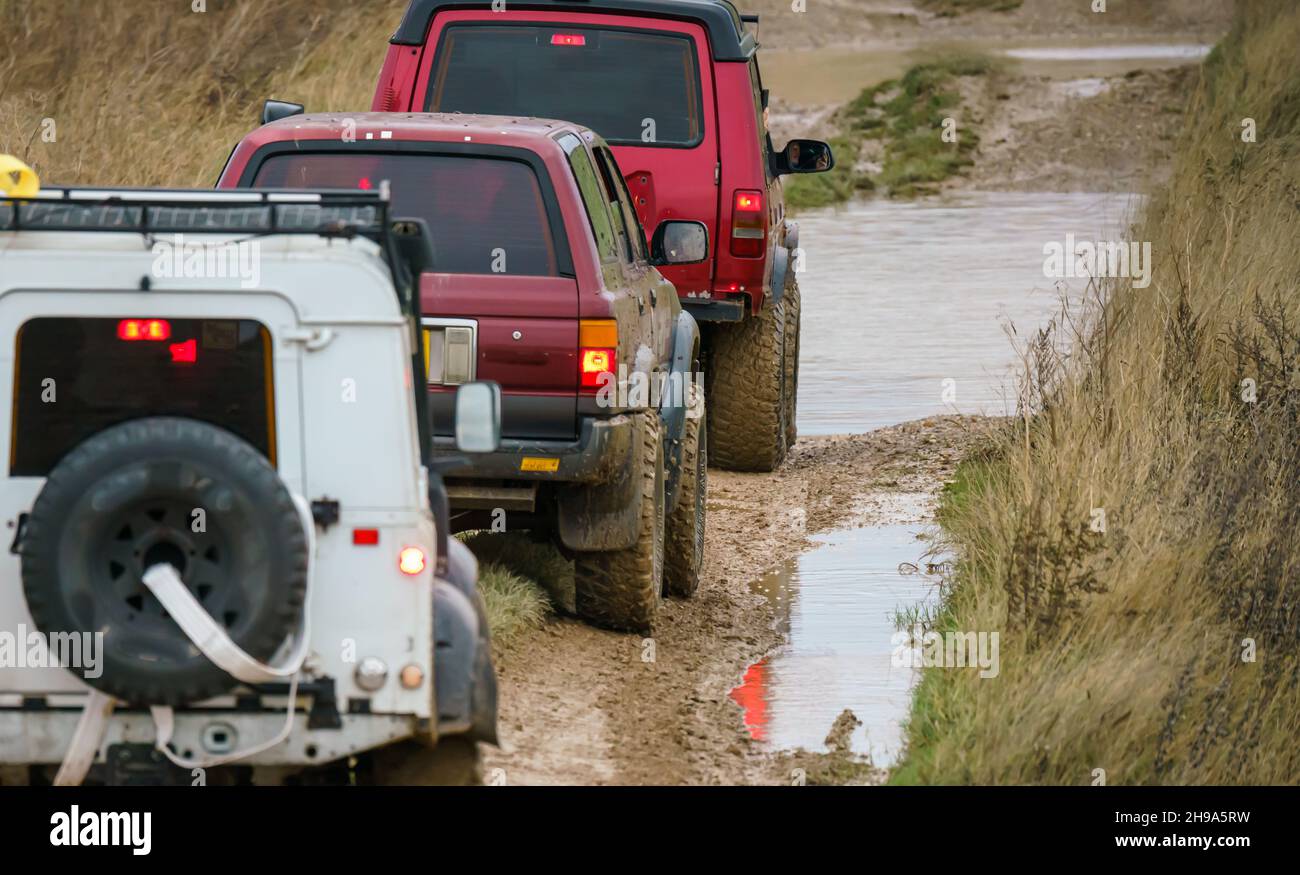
(631, 87)
(486, 215)
(77, 377)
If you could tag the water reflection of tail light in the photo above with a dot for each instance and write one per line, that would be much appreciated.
(751, 696)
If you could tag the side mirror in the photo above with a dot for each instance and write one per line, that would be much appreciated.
(679, 243)
(478, 417)
(274, 110)
(803, 156)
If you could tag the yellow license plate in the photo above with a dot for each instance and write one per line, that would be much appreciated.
(532, 463)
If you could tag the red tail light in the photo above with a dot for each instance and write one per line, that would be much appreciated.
(748, 224)
(597, 351)
(144, 329)
(185, 353)
(594, 363)
(568, 39)
(365, 537)
(749, 202)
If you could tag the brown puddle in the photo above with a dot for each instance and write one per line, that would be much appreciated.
(838, 607)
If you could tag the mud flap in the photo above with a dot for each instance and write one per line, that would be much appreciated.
(781, 257)
(605, 516)
(675, 401)
(465, 687)
(780, 265)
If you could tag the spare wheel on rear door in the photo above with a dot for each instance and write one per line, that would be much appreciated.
(155, 491)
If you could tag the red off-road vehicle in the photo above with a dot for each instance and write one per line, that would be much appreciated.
(541, 280)
(674, 87)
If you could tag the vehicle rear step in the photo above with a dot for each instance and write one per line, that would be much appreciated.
(475, 496)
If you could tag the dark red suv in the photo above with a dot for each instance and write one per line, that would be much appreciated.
(674, 87)
(539, 279)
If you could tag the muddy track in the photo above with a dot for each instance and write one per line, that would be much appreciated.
(584, 706)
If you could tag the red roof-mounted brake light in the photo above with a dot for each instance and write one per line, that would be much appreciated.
(144, 329)
(568, 39)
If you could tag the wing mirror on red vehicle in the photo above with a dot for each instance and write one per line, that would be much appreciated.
(274, 110)
(679, 243)
(478, 417)
(803, 156)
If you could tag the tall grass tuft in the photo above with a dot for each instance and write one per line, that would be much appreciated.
(1163, 645)
(140, 92)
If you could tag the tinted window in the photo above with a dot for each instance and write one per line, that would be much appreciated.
(621, 201)
(77, 377)
(630, 87)
(486, 215)
(593, 198)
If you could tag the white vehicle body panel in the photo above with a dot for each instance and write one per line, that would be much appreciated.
(345, 430)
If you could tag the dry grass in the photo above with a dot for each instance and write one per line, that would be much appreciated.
(143, 92)
(1123, 650)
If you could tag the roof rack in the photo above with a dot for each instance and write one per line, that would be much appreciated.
(728, 36)
(341, 214)
(175, 211)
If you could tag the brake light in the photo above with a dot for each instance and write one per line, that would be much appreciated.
(411, 560)
(748, 224)
(185, 353)
(144, 329)
(594, 363)
(597, 351)
(568, 39)
(749, 201)
(365, 537)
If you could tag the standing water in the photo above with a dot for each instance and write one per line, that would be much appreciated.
(905, 311)
(838, 606)
(905, 304)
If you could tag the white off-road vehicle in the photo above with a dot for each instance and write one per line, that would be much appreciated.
(224, 559)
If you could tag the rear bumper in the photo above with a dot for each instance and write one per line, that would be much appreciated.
(595, 457)
(715, 309)
(43, 737)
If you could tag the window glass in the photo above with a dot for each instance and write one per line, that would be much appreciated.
(593, 197)
(633, 88)
(485, 215)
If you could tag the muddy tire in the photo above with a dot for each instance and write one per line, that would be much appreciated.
(792, 308)
(746, 385)
(453, 762)
(684, 550)
(621, 589)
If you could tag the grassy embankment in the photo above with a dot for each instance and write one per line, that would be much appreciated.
(145, 93)
(899, 126)
(1164, 648)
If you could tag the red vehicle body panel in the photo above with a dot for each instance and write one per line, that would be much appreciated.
(667, 182)
(545, 310)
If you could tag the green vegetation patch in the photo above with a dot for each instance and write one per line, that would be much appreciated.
(902, 123)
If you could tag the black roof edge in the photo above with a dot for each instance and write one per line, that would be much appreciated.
(730, 39)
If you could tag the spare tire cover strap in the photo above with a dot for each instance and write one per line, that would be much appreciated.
(213, 642)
